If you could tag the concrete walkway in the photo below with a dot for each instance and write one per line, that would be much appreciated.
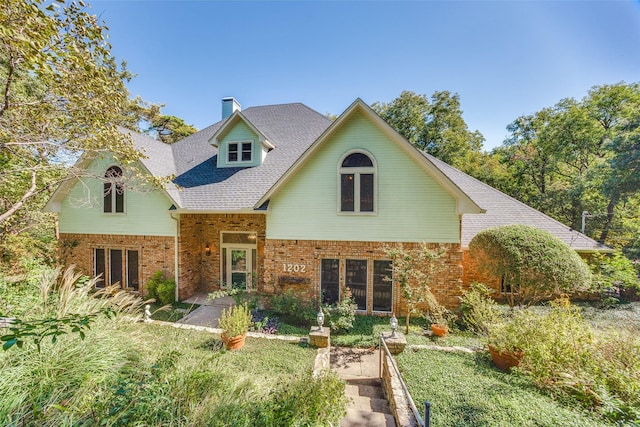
(209, 311)
(360, 368)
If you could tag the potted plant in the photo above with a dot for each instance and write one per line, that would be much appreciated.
(439, 316)
(505, 344)
(235, 322)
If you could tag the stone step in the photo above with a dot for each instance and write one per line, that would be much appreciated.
(359, 418)
(369, 404)
(364, 390)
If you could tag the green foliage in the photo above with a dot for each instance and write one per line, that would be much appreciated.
(161, 288)
(535, 263)
(412, 270)
(235, 320)
(435, 126)
(581, 155)
(563, 354)
(294, 307)
(479, 310)
(340, 316)
(613, 271)
(466, 390)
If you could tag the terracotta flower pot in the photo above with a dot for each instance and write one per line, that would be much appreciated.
(504, 360)
(233, 343)
(439, 330)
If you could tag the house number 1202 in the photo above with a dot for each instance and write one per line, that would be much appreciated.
(294, 268)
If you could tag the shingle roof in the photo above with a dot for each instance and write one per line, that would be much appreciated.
(504, 210)
(291, 128)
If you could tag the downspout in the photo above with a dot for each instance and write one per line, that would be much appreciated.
(175, 256)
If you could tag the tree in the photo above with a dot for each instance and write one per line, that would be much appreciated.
(534, 263)
(578, 156)
(413, 269)
(165, 128)
(435, 126)
(61, 93)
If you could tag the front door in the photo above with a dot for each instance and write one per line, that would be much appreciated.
(237, 268)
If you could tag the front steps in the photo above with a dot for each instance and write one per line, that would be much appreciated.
(360, 368)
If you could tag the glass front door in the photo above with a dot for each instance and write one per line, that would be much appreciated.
(238, 268)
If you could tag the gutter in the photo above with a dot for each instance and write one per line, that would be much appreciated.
(175, 255)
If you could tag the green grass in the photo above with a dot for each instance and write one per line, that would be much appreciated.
(465, 390)
(171, 313)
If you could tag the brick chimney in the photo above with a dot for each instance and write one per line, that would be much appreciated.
(229, 106)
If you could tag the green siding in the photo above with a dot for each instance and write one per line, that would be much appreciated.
(411, 205)
(146, 212)
(239, 132)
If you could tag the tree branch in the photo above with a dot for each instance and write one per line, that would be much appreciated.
(5, 106)
(16, 206)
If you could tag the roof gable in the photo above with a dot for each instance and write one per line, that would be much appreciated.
(464, 203)
(230, 123)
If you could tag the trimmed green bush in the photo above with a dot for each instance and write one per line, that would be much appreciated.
(294, 307)
(161, 288)
(536, 264)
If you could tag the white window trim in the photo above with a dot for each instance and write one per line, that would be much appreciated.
(356, 185)
(113, 194)
(240, 161)
(245, 246)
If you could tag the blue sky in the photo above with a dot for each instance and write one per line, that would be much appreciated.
(503, 58)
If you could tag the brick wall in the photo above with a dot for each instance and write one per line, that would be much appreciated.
(472, 273)
(281, 254)
(154, 252)
(201, 272)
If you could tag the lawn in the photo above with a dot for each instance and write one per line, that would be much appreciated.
(465, 390)
(120, 373)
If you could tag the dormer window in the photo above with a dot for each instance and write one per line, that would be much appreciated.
(240, 152)
(113, 194)
(357, 183)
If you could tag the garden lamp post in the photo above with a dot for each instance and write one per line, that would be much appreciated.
(320, 319)
(394, 325)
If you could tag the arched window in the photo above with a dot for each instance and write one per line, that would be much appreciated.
(357, 183)
(113, 190)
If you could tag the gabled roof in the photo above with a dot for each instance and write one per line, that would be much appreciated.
(156, 158)
(290, 128)
(502, 209)
(465, 204)
(232, 121)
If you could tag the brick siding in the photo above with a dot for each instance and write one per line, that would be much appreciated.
(154, 252)
(446, 285)
(201, 272)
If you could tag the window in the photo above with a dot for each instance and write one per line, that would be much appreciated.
(330, 280)
(113, 191)
(382, 286)
(357, 183)
(240, 152)
(356, 281)
(122, 266)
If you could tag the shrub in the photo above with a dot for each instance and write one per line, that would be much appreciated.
(536, 264)
(161, 288)
(612, 273)
(294, 307)
(235, 320)
(340, 316)
(479, 310)
(413, 269)
(564, 355)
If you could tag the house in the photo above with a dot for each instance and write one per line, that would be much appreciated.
(280, 197)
